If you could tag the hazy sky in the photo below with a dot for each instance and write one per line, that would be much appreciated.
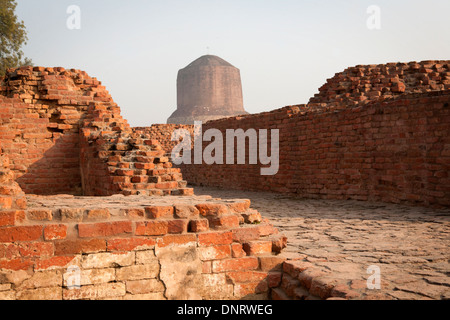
(285, 49)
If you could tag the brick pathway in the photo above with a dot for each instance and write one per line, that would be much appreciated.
(341, 239)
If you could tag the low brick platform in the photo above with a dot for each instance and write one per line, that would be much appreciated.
(137, 247)
(331, 244)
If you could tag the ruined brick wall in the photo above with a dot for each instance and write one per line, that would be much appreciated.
(63, 133)
(395, 150)
(365, 83)
(39, 122)
(185, 248)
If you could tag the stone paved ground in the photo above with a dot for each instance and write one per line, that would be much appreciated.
(341, 239)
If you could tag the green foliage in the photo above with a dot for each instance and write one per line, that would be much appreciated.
(12, 36)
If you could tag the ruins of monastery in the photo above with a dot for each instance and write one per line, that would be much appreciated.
(87, 200)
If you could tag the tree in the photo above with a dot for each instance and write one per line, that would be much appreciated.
(12, 37)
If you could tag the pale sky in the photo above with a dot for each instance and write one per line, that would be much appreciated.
(285, 49)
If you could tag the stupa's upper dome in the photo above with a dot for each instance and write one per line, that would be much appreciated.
(209, 60)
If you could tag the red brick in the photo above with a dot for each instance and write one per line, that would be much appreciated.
(186, 211)
(54, 262)
(55, 232)
(237, 264)
(212, 209)
(246, 276)
(5, 202)
(16, 264)
(239, 206)
(129, 244)
(198, 225)
(178, 226)
(7, 218)
(79, 246)
(245, 289)
(156, 212)
(36, 249)
(215, 252)
(245, 234)
(237, 250)
(224, 222)
(40, 215)
(98, 214)
(152, 228)
(271, 263)
(274, 279)
(178, 239)
(104, 229)
(146, 166)
(215, 238)
(257, 247)
(136, 213)
(21, 233)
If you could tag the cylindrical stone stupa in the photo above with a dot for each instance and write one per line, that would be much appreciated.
(208, 88)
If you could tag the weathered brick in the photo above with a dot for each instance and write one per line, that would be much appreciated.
(198, 225)
(7, 218)
(152, 228)
(138, 272)
(55, 232)
(178, 226)
(271, 263)
(20, 233)
(176, 239)
(224, 222)
(236, 264)
(56, 262)
(129, 244)
(104, 229)
(156, 212)
(133, 213)
(53, 293)
(71, 214)
(91, 276)
(246, 276)
(212, 209)
(215, 238)
(214, 252)
(95, 292)
(98, 214)
(144, 286)
(108, 260)
(186, 211)
(79, 246)
(35, 249)
(52, 278)
(255, 248)
(237, 251)
(40, 215)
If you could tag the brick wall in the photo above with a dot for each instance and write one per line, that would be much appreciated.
(395, 150)
(187, 248)
(63, 133)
